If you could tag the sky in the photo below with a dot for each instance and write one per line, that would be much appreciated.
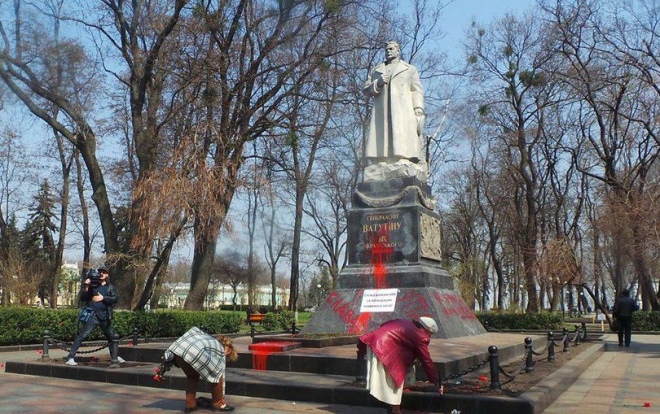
(458, 15)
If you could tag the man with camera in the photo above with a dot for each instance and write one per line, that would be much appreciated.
(100, 295)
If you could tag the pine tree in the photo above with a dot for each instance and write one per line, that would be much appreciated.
(37, 241)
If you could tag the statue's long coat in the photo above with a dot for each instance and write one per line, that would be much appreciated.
(393, 132)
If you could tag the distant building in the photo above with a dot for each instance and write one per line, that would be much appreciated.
(174, 295)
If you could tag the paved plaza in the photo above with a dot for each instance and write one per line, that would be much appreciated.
(622, 380)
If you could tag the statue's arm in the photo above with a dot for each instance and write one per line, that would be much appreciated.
(417, 91)
(371, 87)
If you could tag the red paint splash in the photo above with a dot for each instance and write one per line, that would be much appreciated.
(453, 306)
(381, 254)
(355, 321)
(260, 360)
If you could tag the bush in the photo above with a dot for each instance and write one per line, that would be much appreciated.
(279, 321)
(521, 321)
(646, 321)
(22, 326)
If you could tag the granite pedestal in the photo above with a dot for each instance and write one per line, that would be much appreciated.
(394, 242)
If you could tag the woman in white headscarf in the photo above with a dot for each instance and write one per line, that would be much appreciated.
(391, 351)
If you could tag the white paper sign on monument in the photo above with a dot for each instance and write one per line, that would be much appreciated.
(378, 300)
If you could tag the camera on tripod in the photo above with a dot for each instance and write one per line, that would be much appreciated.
(94, 277)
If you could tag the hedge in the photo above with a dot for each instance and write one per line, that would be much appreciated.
(521, 321)
(23, 326)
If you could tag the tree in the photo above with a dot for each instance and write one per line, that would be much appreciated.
(38, 244)
(617, 144)
(230, 267)
(14, 170)
(509, 58)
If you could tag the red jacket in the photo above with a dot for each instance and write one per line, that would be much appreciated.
(397, 343)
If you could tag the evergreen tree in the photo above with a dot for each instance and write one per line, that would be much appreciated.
(37, 241)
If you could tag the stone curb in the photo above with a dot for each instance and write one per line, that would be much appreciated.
(543, 394)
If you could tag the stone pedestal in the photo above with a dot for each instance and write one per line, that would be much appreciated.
(394, 242)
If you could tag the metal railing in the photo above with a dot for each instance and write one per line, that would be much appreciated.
(526, 364)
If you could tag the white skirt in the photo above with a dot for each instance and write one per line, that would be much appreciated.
(379, 382)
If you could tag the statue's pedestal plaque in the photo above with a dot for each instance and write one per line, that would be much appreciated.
(394, 246)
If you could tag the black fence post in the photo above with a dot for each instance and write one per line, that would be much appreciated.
(551, 347)
(114, 349)
(577, 335)
(493, 358)
(566, 340)
(361, 369)
(44, 354)
(135, 337)
(584, 331)
(529, 359)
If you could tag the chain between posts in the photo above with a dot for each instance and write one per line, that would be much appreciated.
(527, 362)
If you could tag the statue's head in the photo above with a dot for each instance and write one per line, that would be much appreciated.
(392, 50)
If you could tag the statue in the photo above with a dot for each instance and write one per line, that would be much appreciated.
(394, 147)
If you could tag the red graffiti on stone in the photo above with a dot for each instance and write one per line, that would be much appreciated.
(452, 305)
(355, 321)
(413, 305)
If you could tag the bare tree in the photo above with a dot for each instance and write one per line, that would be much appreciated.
(508, 57)
(615, 145)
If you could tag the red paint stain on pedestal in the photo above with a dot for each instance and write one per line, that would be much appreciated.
(381, 254)
(262, 350)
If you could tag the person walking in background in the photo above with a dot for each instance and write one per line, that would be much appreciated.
(98, 293)
(390, 352)
(199, 354)
(622, 311)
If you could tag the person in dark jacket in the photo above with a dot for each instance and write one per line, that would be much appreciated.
(391, 351)
(101, 295)
(622, 311)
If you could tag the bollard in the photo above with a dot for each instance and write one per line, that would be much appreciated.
(493, 358)
(252, 331)
(566, 340)
(584, 331)
(577, 335)
(361, 369)
(114, 349)
(135, 337)
(529, 360)
(551, 347)
(44, 354)
(293, 328)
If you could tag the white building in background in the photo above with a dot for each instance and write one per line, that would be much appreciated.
(173, 296)
(69, 285)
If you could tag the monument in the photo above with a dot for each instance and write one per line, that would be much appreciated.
(393, 241)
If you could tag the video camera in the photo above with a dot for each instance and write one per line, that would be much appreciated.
(94, 277)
